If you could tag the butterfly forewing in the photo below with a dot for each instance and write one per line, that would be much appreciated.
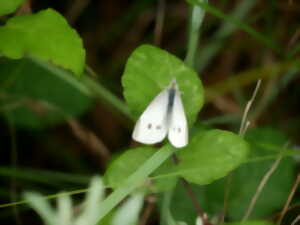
(152, 125)
(178, 128)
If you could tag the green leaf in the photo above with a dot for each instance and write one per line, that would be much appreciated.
(211, 155)
(35, 95)
(137, 178)
(10, 6)
(45, 35)
(246, 179)
(119, 170)
(149, 70)
(182, 207)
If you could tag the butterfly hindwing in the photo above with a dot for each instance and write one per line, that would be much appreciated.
(152, 125)
(178, 127)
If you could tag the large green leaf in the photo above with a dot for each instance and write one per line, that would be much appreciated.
(149, 70)
(46, 35)
(246, 179)
(119, 170)
(211, 155)
(9, 6)
(35, 94)
(123, 166)
(138, 177)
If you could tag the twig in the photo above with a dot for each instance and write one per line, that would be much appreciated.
(77, 7)
(243, 127)
(196, 204)
(289, 208)
(291, 195)
(83, 134)
(260, 187)
(226, 198)
(265, 99)
(191, 194)
(158, 30)
(89, 139)
(25, 8)
(293, 40)
(148, 210)
(296, 220)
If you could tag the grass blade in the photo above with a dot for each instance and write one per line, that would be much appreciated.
(135, 180)
(196, 19)
(216, 12)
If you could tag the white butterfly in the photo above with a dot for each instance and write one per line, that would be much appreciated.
(164, 115)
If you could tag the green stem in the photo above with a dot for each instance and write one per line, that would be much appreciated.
(135, 180)
(217, 41)
(166, 217)
(98, 90)
(87, 86)
(216, 12)
(196, 19)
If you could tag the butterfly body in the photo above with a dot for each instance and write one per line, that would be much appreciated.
(164, 116)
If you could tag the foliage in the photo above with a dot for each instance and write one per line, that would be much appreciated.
(63, 121)
(49, 101)
(7, 7)
(119, 170)
(149, 70)
(211, 155)
(56, 40)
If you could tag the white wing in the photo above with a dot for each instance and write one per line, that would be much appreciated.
(152, 125)
(178, 128)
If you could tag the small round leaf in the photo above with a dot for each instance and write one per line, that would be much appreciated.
(211, 155)
(149, 70)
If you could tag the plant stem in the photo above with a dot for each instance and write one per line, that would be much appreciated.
(288, 201)
(261, 185)
(166, 217)
(217, 41)
(247, 28)
(186, 185)
(196, 19)
(133, 181)
(158, 30)
(100, 91)
(195, 22)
